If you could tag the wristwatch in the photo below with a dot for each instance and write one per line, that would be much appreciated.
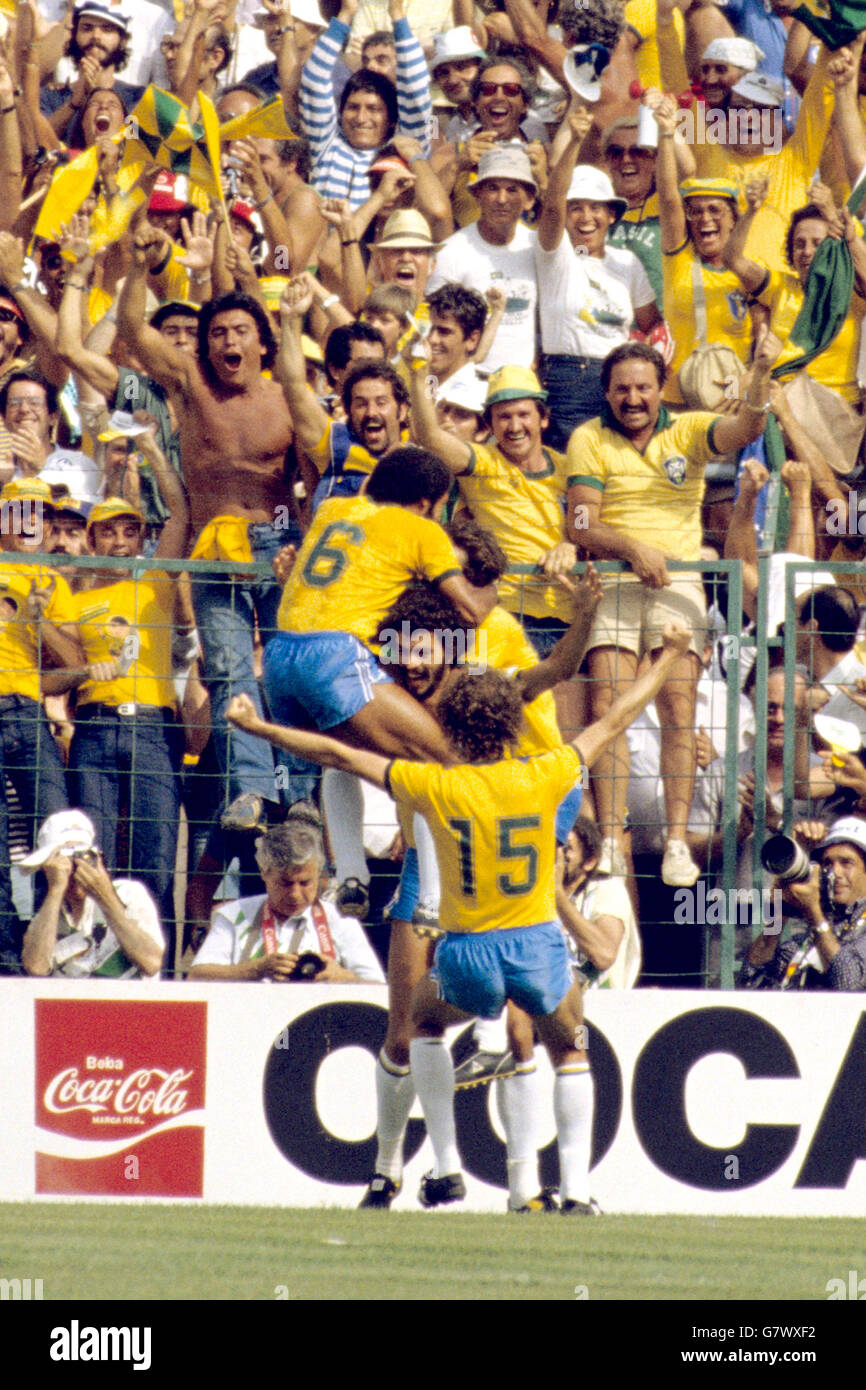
(821, 928)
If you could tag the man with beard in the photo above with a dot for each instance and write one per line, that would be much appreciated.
(99, 47)
(374, 398)
(235, 433)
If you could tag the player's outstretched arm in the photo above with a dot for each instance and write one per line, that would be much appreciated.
(567, 655)
(596, 737)
(316, 748)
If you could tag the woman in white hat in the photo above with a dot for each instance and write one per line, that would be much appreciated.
(590, 293)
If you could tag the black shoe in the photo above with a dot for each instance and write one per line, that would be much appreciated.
(352, 899)
(480, 1068)
(572, 1208)
(246, 812)
(436, 1192)
(544, 1202)
(425, 922)
(380, 1193)
(305, 811)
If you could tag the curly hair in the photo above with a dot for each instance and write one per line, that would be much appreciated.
(481, 715)
(811, 210)
(118, 59)
(592, 21)
(425, 608)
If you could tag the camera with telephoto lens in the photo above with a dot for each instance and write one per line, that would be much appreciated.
(788, 861)
(88, 856)
(308, 966)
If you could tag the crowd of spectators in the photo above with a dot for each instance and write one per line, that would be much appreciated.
(603, 258)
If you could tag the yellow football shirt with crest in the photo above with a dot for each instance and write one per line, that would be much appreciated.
(655, 496)
(729, 323)
(20, 648)
(493, 825)
(131, 623)
(526, 513)
(355, 562)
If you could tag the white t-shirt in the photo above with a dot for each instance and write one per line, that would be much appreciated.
(467, 259)
(587, 304)
(847, 671)
(233, 938)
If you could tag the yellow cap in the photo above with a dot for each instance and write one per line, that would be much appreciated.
(514, 384)
(113, 507)
(30, 489)
(709, 188)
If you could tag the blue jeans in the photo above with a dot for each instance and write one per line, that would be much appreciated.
(226, 613)
(30, 759)
(574, 394)
(135, 760)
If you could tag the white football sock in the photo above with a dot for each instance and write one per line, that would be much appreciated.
(573, 1100)
(517, 1098)
(395, 1093)
(428, 868)
(490, 1035)
(343, 809)
(433, 1074)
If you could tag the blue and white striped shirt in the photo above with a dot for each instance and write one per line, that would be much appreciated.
(339, 170)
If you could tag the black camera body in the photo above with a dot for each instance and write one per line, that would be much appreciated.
(308, 966)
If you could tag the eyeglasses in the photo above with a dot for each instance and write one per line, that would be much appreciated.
(509, 89)
(32, 403)
(9, 316)
(694, 214)
(633, 152)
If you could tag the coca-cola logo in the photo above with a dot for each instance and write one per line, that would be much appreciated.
(145, 1091)
(120, 1096)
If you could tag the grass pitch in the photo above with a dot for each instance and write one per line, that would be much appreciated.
(166, 1252)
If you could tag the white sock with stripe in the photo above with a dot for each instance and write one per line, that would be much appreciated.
(395, 1094)
(573, 1102)
(517, 1098)
(343, 809)
(433, 1074)
(429, 890)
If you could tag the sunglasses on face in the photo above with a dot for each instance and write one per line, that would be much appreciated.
(8, 316)
(509, 89)
(633, 152)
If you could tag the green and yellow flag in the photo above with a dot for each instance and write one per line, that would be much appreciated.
(267, 120)
(159, 130)
(835, 22)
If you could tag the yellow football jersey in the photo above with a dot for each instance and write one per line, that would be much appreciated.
(654, 496)
(129, 622)
(526, 513)
(729, 323)
(493, 828)
(20, 648)
(356, 560)
(836, 366)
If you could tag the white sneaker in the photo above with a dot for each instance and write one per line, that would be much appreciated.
(679, 869)
(611, 859)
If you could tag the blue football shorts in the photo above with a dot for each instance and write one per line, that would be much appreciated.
(323, 678)
(478, 971)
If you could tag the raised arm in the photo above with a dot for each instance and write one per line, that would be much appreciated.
(568, 653)
(414, 106)
(173, 537)
(159, 359)
(754, 277)
(672, 215)
(598, 736)
(317, 105)
(551, 223)
(316, 748)
(452, 451)
(310, 421)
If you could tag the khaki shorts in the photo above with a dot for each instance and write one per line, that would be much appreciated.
(632, 616)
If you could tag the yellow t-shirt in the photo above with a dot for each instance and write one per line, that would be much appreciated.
(493, 828)
(500, 644)
(526, 513)
(728, 319)
(836, 366)
(641, 15)
(20, 647)
(654, 496)
(356, 560)
(789, 170)
(129, 622)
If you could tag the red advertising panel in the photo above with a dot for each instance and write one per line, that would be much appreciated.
(120, 1094)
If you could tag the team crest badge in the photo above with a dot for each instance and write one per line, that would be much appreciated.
(675, 468)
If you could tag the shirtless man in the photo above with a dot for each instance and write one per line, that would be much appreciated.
(235, 431)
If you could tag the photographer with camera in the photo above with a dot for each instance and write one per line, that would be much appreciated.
(288, 933)
(832, 899)
(89, 924)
